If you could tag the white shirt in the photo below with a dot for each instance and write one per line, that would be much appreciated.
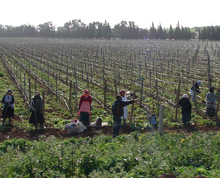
(125, 116)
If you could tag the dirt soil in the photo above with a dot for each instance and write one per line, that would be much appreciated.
(10, 131)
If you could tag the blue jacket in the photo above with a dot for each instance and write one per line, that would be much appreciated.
(10, 103)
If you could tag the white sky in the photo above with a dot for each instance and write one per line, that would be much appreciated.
(189, 13)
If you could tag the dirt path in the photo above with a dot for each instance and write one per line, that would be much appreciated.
(9, 132)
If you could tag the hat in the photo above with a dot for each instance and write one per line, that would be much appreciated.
(199, 82)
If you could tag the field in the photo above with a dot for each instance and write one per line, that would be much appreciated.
(158, 71)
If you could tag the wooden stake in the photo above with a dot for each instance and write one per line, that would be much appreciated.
(87, 78)
(67, 69)
(76, 100)
(142, 85)
(70, 97)
(43, 101)
(132, 109)
(218, 105)
(24, 82)
(194, 97)
(177, 100)
(56, 88)
(29, 91)
(105, 91)
(116, 92)
(157, 98)
(161, 117)
(209, 71)
(20, 76)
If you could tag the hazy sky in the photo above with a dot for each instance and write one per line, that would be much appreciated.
(189, 13)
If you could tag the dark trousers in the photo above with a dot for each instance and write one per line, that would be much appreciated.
(116, 126)
(84, 118)
(7, 112)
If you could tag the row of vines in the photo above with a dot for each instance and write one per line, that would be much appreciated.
(159, 71)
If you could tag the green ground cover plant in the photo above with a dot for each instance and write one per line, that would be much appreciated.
(133, 155)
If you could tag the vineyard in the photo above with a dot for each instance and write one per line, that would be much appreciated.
(158, 71)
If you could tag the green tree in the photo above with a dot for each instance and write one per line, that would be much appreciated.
(153, 32)
(171, 33)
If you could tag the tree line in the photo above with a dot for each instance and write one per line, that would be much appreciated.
(77, 29)
(209, 33)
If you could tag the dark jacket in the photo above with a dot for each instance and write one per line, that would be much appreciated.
(117, 107)
(37, 103)
(185, 104)
(196, 88)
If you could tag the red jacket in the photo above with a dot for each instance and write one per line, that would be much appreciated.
(86, 100)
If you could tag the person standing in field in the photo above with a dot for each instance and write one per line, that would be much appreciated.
(211, 99)
(85, 108)
(197, 84)
(8, 107)
(186, 109)
(37, 116)
(124, 98)
(118, 112)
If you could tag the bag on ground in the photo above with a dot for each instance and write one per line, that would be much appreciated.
(75, 127)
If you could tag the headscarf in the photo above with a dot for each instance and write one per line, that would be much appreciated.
(86, 93)
(184, 96)
(122, 90)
